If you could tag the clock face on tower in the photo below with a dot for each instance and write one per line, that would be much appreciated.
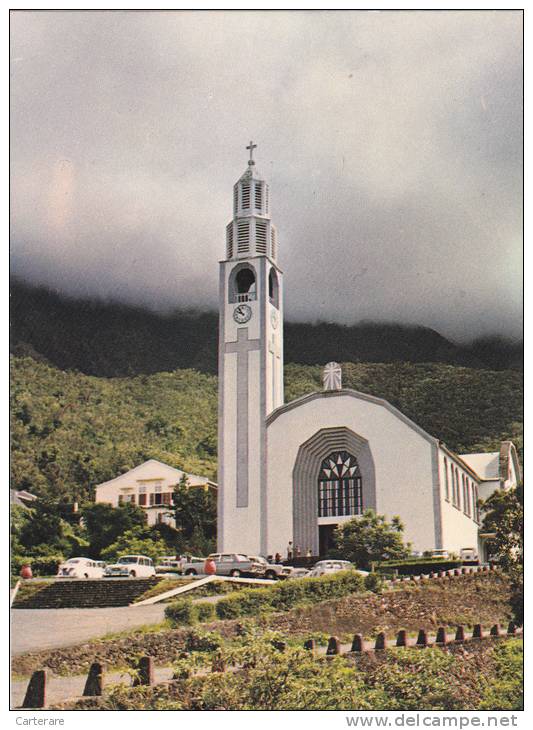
(242, 313)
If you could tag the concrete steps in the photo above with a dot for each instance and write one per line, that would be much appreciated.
(104, 593)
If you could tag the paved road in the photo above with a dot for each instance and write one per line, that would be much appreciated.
(49, 628)
(33, 629)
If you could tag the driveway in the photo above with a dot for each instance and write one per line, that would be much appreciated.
(50, 628)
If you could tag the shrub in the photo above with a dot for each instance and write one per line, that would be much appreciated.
(374, 582)
(203, 640)
(229, 607)
(284, 596)
(182, 612)
(205, 611)
(417, 566)
(504, 691)
(46, 565)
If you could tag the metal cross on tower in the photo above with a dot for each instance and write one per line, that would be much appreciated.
(251, 147)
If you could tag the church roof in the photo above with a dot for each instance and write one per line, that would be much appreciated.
(348, 392)
(251, 173)
(21, 497)
(481, 468)
(487, 465)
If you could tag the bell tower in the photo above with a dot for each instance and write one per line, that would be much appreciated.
(250, 363)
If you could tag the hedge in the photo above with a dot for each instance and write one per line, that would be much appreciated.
(46, 565)
(284, 596)
(185, 612)
(417, 567)
(205, 611)
(182, 612)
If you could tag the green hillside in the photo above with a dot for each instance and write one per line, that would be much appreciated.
(71, 431)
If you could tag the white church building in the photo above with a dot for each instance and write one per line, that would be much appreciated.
(294, 471)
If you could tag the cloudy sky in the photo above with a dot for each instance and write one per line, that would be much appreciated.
(392, 142)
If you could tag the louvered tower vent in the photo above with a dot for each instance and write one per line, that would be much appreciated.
(251, 232)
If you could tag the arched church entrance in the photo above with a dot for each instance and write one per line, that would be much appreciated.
(340, 494)
(333, 481)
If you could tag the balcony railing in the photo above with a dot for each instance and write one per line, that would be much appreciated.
(248, 297)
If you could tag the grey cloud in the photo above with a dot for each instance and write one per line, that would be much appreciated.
(392, 142)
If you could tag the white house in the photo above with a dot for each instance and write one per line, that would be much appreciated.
(292, 472)
(149, 485)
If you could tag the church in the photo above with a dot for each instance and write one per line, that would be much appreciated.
(294, 471)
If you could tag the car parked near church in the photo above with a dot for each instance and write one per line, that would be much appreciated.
(80, 568)
(231, 564)
(272, 570)
(131, 566)
(324, 567)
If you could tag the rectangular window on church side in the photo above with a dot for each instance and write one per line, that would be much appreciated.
(446, 481)
(456, 492)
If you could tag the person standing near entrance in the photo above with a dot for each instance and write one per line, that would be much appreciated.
(289, 550)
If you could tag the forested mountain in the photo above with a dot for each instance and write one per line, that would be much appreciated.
(115, 340)
(71, 431)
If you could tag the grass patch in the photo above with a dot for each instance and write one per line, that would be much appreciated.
(28, 590)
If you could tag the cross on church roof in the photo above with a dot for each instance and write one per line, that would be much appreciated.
(332, 376)
(251, 147)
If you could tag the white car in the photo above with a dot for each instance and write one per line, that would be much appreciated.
(80, 568)
(299, 573)
(469, 554)
(440, 553)
(272, 570)
(323, 567)
(131, 566)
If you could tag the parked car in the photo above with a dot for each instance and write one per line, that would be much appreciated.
(80, 568)
(131, 566)
(323, 567)
(233, 564)
(299, 573)
(440, 553)
(469, 554)
(272, 570)
(168, 564)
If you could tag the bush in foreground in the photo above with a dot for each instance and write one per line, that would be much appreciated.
(182, 612)
(286, 595)
(268, 678)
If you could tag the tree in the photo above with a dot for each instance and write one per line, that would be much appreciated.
(370, 538)
(42, 530)
(504, 517)
(104, 524)
(137, 541)
(195, 511)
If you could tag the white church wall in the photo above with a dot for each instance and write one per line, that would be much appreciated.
(459, 529)
(229, 427)
(402, 458)
(241, 525)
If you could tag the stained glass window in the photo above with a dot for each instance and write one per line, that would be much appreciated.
(340, 490)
